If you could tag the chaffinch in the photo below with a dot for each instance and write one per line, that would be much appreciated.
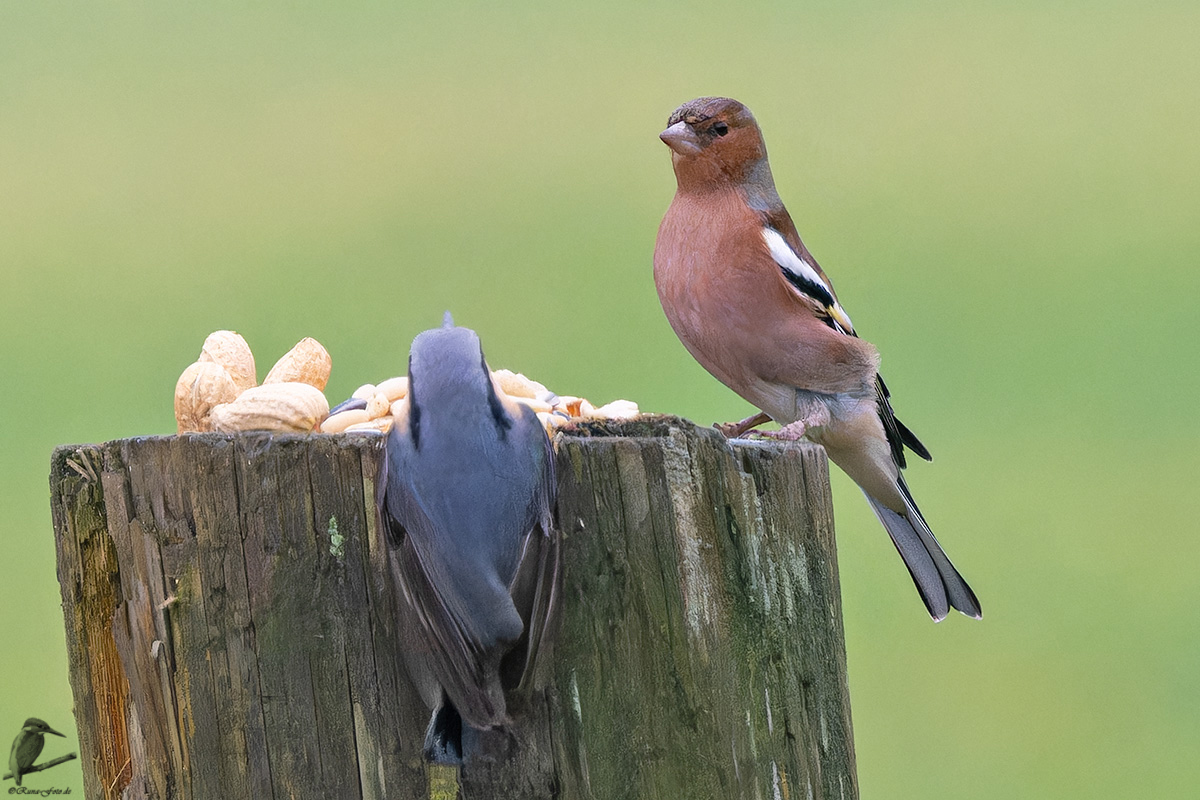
(468, 502)
(751, 304)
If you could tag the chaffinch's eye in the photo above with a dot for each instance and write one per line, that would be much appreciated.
(720, 128)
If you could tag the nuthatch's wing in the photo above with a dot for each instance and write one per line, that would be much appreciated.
(468, 505)
(535, 589)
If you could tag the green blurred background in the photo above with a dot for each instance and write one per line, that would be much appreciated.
(1007, 197)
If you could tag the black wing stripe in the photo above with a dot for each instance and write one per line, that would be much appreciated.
(414, 408)
(888, 418)
(499, 415)
(808, 287)
(898, 434)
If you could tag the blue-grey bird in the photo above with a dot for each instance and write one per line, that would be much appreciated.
(468, 506)
(27, 746)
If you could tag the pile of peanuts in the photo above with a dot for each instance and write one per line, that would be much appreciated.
(374, 406)
(378, 402)
(219, 392)
(557, 410)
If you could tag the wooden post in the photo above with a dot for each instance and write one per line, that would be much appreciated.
(232, 631)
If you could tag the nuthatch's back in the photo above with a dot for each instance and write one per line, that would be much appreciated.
(27, 746)
(469, 511)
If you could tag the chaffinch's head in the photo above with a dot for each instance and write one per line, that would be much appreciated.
(715, 141)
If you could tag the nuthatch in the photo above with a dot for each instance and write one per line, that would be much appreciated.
(27, 746)
(468, 507)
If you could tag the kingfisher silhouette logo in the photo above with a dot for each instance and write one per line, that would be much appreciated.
(25, 750)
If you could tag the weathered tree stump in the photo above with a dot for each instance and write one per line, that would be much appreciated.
(232, 632)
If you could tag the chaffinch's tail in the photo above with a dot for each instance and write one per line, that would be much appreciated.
(938, 582)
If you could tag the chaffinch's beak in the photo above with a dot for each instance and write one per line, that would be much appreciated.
(681, 138)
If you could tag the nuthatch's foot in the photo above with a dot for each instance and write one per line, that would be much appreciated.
(443, 737)
(347, 405)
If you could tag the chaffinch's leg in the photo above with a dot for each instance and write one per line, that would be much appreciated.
(732, 430)
(817, 417)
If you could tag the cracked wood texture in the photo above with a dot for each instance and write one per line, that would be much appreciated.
(232, 628)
